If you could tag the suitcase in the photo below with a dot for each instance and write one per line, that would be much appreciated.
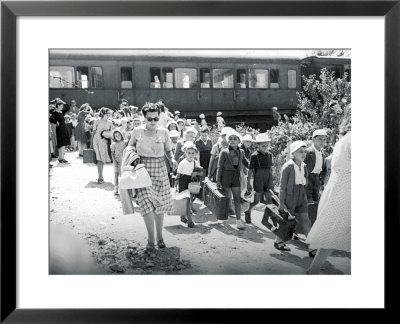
(89, 156)
(274, 221)
(215, 200)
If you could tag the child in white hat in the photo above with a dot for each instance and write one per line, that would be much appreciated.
(260, 166)
(293, 195)
(189, 136)
(230, 164)
(185, 172)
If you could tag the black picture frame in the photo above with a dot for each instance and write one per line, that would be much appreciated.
(10, 10)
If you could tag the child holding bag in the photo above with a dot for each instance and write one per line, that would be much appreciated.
(185, 173)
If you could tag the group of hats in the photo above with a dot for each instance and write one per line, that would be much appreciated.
(297, 144)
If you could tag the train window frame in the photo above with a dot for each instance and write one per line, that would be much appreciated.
(154, 84)
(295, 79)
(246, 86)
(233, 70)
(90, 85)
(250, 75)
(163, 77)
(72, 83)
(120, 75)
(79, 82)
(200, 77)
(196, 83)
(274, 85)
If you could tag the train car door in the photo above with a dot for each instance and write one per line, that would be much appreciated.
(259, 93)
(205, 91)
(223, 83)
(126, 83)
(240, 91)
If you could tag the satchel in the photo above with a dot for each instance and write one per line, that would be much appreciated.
(136, 178)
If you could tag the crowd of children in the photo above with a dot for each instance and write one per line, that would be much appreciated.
(240, 165)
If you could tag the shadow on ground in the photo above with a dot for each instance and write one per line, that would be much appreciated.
(108, 186)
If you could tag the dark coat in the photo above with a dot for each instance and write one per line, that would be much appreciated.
(63, 137)
(311, 159)
(288, 176)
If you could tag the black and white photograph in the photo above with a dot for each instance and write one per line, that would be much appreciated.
(199, 162)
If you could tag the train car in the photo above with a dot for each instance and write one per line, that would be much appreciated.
(314, 65)
(244, 89)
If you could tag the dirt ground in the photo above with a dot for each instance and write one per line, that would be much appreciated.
(89, 234)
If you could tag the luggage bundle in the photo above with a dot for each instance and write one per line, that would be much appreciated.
(89, 156)
(215, 200)
(277, 221)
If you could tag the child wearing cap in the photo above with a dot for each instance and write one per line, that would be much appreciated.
(315, 165)
(204, 146)
(185, 172)
(260, 166)
(230, 163)
(215, 152)
(189, 135)
(117, 148)
(220, 120)
(293, 195)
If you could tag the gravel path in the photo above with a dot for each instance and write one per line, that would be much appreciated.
(91, 222)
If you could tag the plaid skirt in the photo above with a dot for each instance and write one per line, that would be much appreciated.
(156, 198)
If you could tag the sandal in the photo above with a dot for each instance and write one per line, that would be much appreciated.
(184, 219)
(150, 247)
(161, 244)
(190, 224)
(100, 181)
(281, 246)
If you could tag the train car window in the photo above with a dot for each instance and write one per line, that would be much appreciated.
(223, 78)
(126, 77)
(185, 78)
(155, 74)
(168, 78)
(205, 78)
(258, 78)
(82, 79)
(61, 77)
(291, 79)
(241, 78)
(274, 78)
(96, 79)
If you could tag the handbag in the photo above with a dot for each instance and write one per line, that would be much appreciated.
(194, 186)
(136, 178)
(180, 202)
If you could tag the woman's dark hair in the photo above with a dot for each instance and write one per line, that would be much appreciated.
(104, 111)
(150, 107)
(161, 106)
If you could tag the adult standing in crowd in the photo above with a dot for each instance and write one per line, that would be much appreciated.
(53, 137)
(63, 138)
(74, 109)
(80, 131)
(276, 115)
(152, 143)
(100, 142)
(332, 228)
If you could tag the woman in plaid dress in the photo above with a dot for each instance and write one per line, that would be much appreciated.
(152, 143)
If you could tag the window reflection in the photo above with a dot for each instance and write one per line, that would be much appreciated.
(241, 78)
(168, 78)
(126, 77)
(96, 77)
(205, 79)
(258, 78)
(185, 78)
(274, 78)
(61, 77)
(223, 78)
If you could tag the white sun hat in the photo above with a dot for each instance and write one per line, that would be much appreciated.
(232, 132)
(191, 129)
(319, 132)
(189, 145)
(261, 138)
(295, 146)
(247, 137)
(174, 133)
(225, 130)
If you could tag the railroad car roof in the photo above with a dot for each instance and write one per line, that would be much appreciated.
(171, 55)
(326, 57)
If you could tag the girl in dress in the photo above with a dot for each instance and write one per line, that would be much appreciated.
(185, 172)
(117, 148)
(100, 143)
